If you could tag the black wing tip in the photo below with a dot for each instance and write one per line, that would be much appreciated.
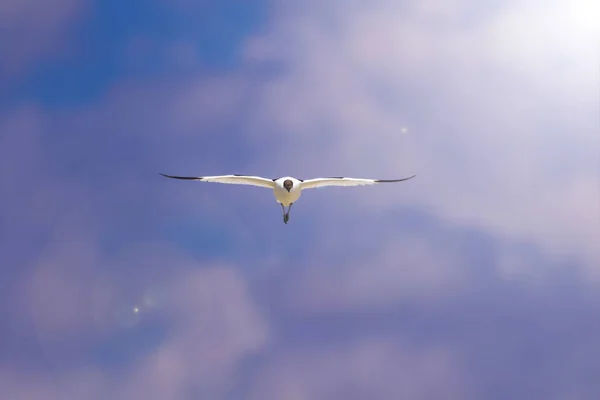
(394, 180)
(181, 177)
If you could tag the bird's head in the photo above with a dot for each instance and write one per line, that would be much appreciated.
(287, 184)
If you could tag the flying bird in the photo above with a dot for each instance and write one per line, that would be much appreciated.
(287, 189)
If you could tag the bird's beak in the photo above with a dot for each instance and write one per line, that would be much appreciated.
(288, 189)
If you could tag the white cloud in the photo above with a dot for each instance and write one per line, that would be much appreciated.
(216, 326)
(374, 369)
(501, 107)
(79, 296)
(404, 270)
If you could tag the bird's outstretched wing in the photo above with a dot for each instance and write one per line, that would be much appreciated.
(341, 181)
(231, 179)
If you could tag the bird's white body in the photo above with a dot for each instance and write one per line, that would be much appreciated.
(288, 189)
(284, 197)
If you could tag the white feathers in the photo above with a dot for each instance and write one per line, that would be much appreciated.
(231, 179)
(341, 181)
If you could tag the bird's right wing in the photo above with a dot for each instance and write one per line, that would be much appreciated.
(231, 179)
(341, 181)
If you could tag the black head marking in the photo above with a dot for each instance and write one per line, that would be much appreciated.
(287, 184)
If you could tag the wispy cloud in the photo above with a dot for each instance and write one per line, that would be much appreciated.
(374, 369)
(31, 31)
(499, 108)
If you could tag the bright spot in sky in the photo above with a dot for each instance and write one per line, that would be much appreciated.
(127, 316)
(404, 130)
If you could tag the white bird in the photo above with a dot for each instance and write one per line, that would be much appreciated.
(287, 189)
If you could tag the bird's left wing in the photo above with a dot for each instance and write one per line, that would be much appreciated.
(231, 179)
(341, 181)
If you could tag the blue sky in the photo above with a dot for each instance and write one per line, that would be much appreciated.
(477, 279)
(99, 45)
